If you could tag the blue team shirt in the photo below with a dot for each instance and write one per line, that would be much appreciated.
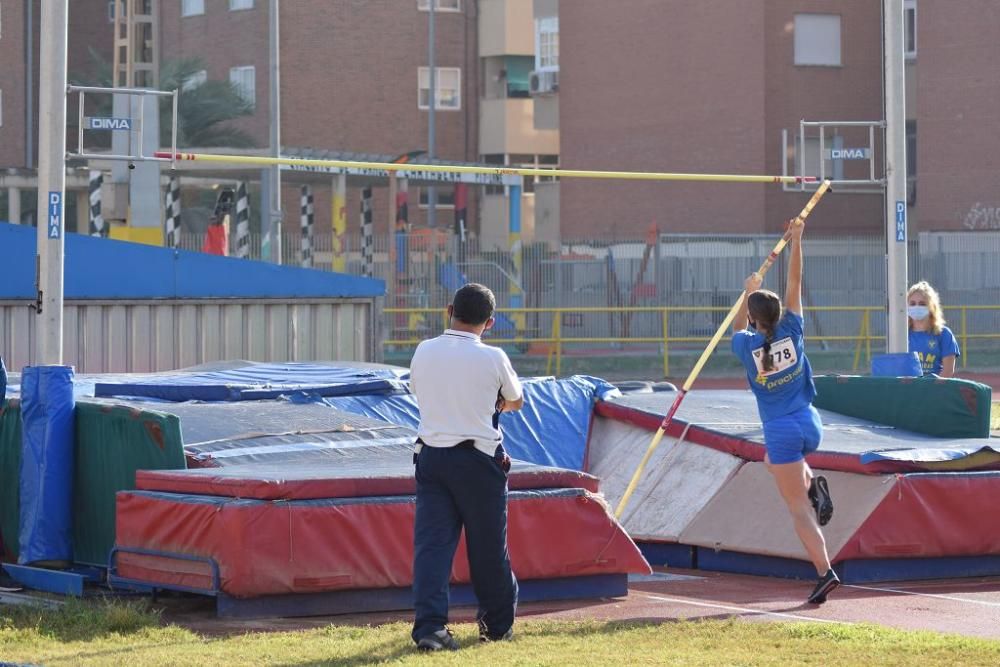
(932, 349)
(789, 386)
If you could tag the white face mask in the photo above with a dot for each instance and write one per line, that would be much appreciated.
(918, 312)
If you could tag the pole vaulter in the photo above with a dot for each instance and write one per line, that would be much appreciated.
(799, 220)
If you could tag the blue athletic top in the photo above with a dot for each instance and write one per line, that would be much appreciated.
(932, 349)
(789, 386)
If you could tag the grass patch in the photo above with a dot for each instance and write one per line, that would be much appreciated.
(103, 633)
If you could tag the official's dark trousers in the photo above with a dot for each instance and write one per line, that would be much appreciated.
(461, 487)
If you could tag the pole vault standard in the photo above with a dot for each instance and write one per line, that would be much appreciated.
(51, 180)
(799, 220)
(472, 169)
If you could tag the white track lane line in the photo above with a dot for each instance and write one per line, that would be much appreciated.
(926, 595)
(746, 610)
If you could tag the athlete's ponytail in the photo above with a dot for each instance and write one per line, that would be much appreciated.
(764, 308)
(768, 362)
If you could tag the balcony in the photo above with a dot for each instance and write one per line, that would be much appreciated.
(507, 125)
(506, 27)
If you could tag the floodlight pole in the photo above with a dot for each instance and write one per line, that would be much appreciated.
(272, 210)
(894, 101)
(51, 180)
(431, 111)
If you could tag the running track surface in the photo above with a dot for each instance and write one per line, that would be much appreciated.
(964, 606)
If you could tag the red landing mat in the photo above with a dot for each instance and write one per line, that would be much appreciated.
(306, 546)
(372, 471)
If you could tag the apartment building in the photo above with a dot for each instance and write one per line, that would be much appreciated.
(91, 32)
(957, 119)
(508, 133)
(354, 78)
(713, 86)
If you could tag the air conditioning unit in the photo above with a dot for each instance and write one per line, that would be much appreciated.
(544, 82)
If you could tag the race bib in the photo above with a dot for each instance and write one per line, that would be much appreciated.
(782, 355)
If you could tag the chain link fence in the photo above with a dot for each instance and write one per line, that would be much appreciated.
(422, 270)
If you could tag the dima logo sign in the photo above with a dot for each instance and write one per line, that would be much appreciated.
(107, 123)
(849, 154)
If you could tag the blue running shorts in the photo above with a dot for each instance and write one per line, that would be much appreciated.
(790, 437)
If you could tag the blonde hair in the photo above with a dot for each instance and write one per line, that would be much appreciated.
(935, 313)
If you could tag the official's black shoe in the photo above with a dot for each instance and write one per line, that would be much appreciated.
(438, 641)
(485, 636)
(824, 586)
(819, 496)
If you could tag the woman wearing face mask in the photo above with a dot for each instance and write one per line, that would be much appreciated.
(773, 354)
(933, 342)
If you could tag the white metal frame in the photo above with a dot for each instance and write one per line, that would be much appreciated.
(138, 156)
(873, 184)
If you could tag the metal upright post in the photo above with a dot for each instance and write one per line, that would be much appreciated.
(895, 175)
(432, 105)
(274, 212)
(51, 179)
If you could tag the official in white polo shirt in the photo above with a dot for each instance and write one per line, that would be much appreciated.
(462, 386)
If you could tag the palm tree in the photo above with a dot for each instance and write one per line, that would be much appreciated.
(204, 108)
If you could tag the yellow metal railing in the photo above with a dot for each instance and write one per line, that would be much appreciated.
(556, 341)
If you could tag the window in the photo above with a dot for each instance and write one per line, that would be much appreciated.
(817, 39)
(195, 80)
(236, 5)
(517, 75)
(911, 149)
(498, 159)
(911, 162)
(547, 44)
(192, 7)
(444, 197)
(440, 5)
(910, 28)
(447, 80)
(527, 161)
(245, 80)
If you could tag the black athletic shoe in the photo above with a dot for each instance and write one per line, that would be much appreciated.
(824, 586)
(485, 636)
(438, 641)
(819, 496)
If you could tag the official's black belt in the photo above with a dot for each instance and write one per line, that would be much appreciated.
(500, 455)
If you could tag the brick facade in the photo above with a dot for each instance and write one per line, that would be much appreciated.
(703, 87)
(348, 81)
